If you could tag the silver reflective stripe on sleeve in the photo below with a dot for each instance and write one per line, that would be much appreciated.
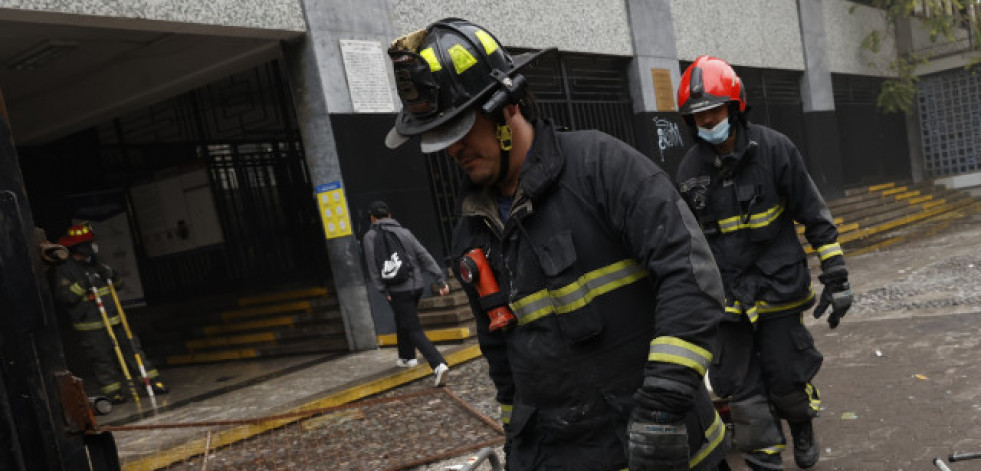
(680, 352)
(830, 250)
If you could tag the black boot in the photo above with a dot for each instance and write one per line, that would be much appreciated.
(805, 445)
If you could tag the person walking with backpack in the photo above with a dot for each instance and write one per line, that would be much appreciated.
(396, 261)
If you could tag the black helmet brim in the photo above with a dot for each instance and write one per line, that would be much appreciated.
(434, 139)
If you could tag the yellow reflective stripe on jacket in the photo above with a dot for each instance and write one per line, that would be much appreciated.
(755, 221)
(506, 413)
(767, 308)
(771, 450)
(763, 307)
(104, 291)
(95, 325)
(77, 289)
(680, 352)
(830, 250)
(737, 309)
(713, 437)
(813, 397)
(578, 293)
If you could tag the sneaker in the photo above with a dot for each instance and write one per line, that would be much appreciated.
(401, 363)
(763, 461)
(806, 449)
(159, 387)
(440, 372)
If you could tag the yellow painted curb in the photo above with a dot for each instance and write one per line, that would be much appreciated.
(435, 335)
(242, 432)
(893, 191)
(313, 292)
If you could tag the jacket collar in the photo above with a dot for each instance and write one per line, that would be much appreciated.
(746, 143)
(539, 171)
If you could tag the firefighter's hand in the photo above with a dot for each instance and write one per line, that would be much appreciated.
(837, 294)
(106, 272)
(94, 280)
(657, 441)
(444, 290)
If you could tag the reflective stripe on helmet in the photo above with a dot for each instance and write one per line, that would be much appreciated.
(461, 57)
(430, 56)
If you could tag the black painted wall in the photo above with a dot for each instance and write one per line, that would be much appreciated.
(399, 177)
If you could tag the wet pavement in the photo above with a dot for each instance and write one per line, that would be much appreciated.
(901, 381)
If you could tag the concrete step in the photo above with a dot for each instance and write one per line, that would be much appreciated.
(283, 296)
(303, 347)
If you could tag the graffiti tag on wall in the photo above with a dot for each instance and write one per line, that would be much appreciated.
(668, 136)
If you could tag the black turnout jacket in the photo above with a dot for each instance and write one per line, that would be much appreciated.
(747, 203)
(612, 283)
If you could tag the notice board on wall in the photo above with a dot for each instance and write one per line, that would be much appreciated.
(177, 214)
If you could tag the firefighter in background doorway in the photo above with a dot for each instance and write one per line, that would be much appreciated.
(747, 185)
(73, 282)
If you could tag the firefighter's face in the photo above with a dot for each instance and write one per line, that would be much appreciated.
(479, 152)
(708, 119)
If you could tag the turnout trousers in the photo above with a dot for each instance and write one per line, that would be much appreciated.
(766, 370)
(105, 364)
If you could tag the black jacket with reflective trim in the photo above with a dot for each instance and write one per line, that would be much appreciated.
(598, 257)
(747, 207)
(80, 309)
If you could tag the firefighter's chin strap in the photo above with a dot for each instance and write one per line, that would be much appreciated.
(503, 133)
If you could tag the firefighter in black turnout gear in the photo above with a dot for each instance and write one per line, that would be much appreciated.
(747, 185)
(74, 280)
(614, 291)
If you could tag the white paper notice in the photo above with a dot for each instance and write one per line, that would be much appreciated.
(367, 76)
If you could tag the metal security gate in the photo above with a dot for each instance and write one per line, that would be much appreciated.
(577, 91)
(950, 122)
(243, 132)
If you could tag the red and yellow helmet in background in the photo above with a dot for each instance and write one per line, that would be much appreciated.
(707, 83)
(77, 234)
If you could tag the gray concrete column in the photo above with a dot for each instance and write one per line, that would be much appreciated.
(319, 86)
(822, 153)
(652, 30)
(904, 45)
(654, 77)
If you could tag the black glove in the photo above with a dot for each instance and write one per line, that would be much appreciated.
(105, 271)
(837, 293)
(94, 280)
(657, 441)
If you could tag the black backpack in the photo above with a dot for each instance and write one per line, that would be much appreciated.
(392, 261)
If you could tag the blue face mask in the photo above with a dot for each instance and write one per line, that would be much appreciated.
(716, 135)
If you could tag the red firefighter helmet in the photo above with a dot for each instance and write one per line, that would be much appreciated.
(77, 234)
(708, 83)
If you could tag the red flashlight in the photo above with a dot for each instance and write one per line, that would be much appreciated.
(476, 271)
